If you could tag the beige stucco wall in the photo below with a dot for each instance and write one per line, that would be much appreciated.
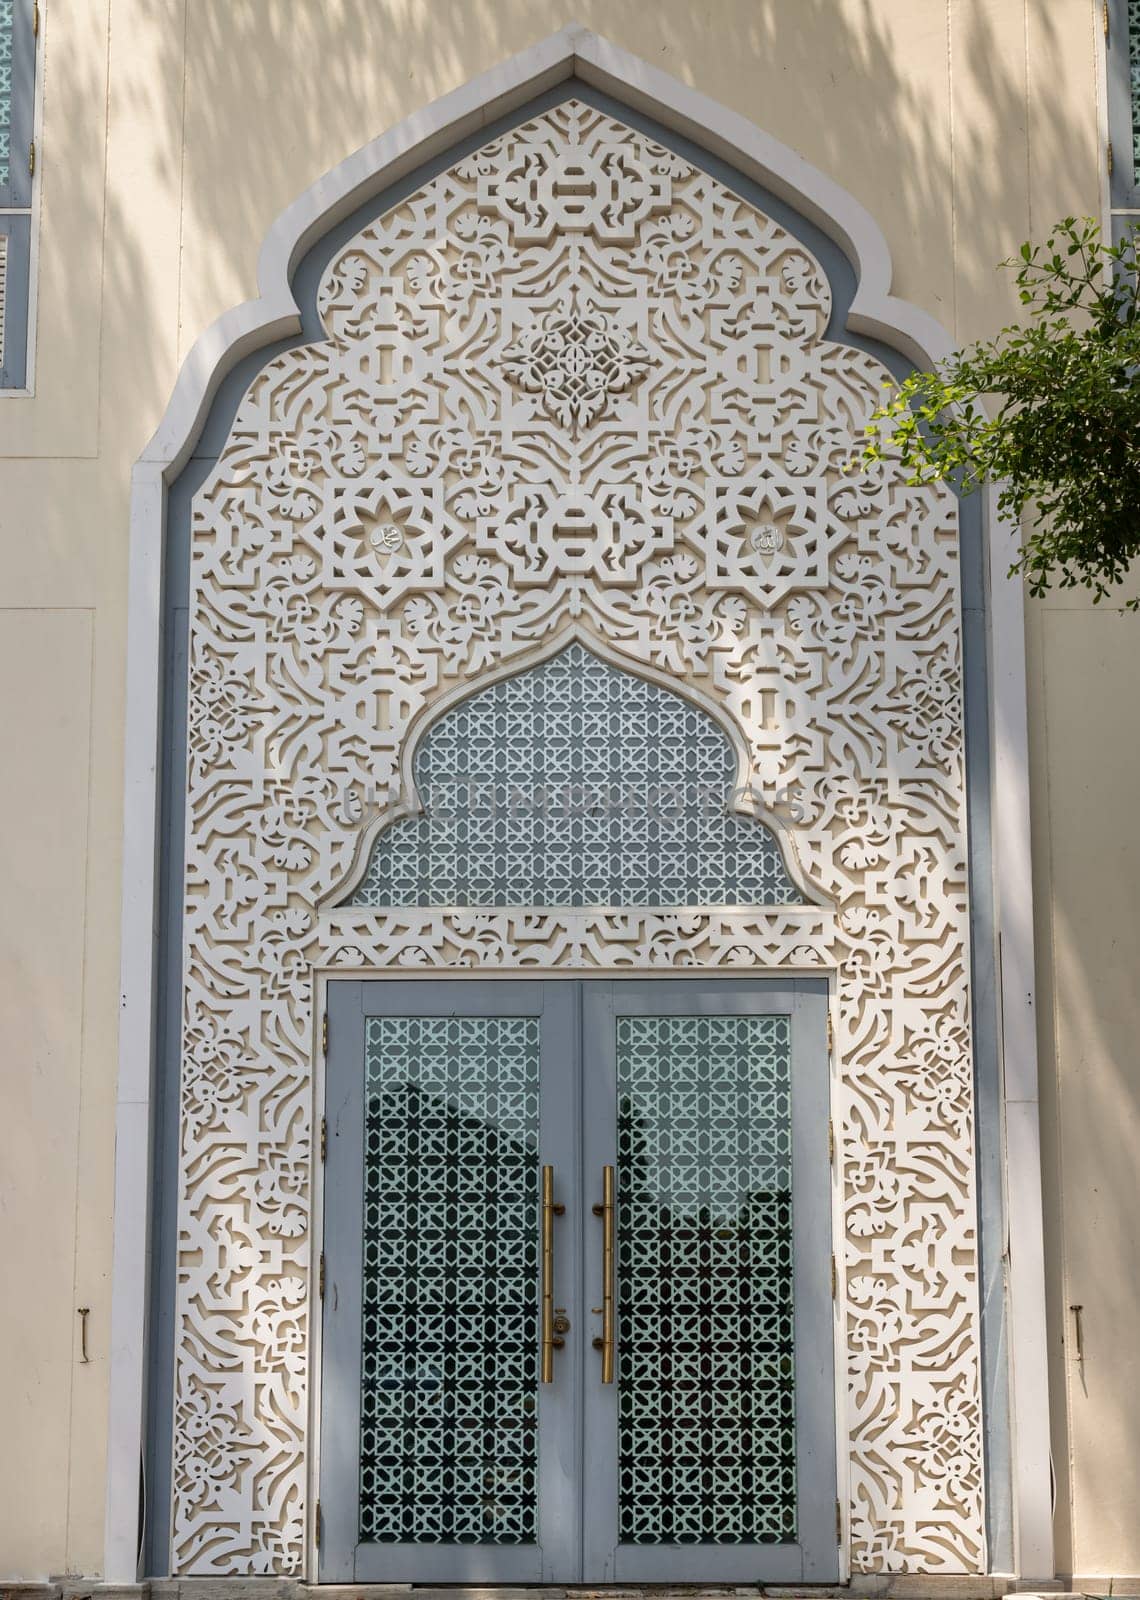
(173, 132)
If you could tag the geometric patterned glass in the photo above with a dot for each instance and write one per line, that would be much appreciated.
(7, 28)
(448, 1449)
(706, 1395)
(1134, 74)
(575, 784)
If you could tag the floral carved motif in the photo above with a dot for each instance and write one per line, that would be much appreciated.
(576, 361)
(573, 383)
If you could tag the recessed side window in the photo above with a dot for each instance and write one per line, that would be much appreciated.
(1134, 82)
(1122, 37)
(18, 30)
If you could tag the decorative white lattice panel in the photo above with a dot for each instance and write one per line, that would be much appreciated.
(573, 387)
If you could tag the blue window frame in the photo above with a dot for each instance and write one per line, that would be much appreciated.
(17, 103)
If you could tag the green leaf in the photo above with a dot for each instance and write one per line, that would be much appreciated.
(1049, 409)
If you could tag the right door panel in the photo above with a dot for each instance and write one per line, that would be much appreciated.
(712, 1452)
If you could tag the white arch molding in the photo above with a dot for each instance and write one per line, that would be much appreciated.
(572, 52)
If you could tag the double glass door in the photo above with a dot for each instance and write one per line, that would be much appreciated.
(577, 1312)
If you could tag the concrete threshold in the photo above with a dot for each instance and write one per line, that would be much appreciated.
(862, 1586)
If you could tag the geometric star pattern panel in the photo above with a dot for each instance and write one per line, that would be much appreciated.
(573, 387)
(706, 1390)
(575, 784)
(449, 1379)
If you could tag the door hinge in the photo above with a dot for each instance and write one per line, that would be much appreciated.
(324, 1139)
(1104, 16)
(317, 1526)
(838, 1523)
(325, 1034)
(32, 159)
(830, 1035)
(1109, 157)
(35, 22)
(321, 1277)
(830, 1140)
(834, 1278)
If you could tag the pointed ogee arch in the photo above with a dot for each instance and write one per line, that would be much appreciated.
(260, 1520)
(545, 399)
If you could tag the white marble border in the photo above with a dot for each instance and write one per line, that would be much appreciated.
(574, 51)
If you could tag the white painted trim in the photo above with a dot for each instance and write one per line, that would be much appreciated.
(273, 315)
(1013, 904)
(133, 1112)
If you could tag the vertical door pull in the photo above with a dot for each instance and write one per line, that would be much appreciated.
(552, 1328)
(606, 1211)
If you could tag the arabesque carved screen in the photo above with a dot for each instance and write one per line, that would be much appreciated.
(573, 387)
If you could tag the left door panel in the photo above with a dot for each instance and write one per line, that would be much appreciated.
(444, 1457)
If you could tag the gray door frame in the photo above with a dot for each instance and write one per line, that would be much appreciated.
(578, 1505)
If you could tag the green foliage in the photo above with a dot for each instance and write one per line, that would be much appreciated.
(1061, 433)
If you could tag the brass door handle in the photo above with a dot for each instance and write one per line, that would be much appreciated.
(606, 1211)
(552, 1327)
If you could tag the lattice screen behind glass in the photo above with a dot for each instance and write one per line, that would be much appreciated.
(576, 784)
(7, 28)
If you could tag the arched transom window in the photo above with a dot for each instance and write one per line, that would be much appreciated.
(576, 784)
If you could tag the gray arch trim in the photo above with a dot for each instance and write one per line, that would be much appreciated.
(842, 279)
